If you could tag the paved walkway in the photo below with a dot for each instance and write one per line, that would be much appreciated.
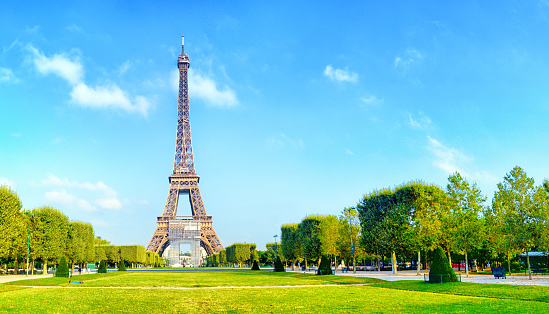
(412, 275)
(8, 278)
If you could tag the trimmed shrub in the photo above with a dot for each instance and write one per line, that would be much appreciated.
(102, 267)
(62, 268)
(121, 266)
(324, 268)
(278, 265)
(441, 271)
(255, 266)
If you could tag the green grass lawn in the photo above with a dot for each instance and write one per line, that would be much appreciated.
(154, 297)
(195, 279)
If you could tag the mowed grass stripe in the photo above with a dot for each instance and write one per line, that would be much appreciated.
(333, 299)
(195, 279)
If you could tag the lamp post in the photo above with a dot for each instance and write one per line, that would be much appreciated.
(28, 242)
(352, 244)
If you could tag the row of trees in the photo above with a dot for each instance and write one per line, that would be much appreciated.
(316, 236)
(48, 233)
(133, 254)
(417, 217)
(236, 253)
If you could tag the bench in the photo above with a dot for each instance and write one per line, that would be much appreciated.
(344, 269)
(538, 271)
(498, 272)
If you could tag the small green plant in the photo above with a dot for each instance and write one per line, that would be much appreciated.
(121, 266)
(255, 265)
(324, 268)
(102, 267)
(441, 271)
(62, 268)
(278, 265)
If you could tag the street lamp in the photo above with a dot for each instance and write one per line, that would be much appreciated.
(352, 244)
(28, 242)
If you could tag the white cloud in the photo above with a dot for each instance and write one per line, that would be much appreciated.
(422, 123)
(6, 75)
(347, 151)
(281, 141)
(108, 97)
(410, 57)
(104, 196)
(7, 182)
(102, 97)
(451, 160)
(205, 88)
(340, 75)
(372, 101)
(60, 65)
(109, 203)
(60, 197)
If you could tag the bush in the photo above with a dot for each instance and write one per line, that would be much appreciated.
(121, 266)
(102, 267)
(278, 265)
(441, 271)
(255, 265)
(324, 268)
(62, 268)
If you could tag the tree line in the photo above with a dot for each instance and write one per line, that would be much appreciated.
(414, 218)
(47, 234)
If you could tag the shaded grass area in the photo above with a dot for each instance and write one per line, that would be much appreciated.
(498, 291)
(339, 299)
(195, 279)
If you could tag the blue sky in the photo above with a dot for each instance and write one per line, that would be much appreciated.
(296, 107)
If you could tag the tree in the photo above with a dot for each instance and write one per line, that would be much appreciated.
(79, 243)
(329, 236)
(53, 225)
(290, 246)
(463, 224)
(274, 250)
(520, 210)
(441, 270)
(309, 234)
(62, 268)
(349, 223)
(10, 223)
(222, 258)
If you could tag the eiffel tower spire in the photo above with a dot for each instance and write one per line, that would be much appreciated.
(184, 179)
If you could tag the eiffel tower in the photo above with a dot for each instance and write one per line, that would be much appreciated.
(184, 179)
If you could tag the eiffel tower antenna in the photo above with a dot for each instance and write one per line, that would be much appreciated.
(184, 181)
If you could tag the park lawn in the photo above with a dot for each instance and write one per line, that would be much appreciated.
(319, 299)
(195, 279)
(498, 291)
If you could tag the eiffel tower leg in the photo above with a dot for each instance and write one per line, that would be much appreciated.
(160, 240)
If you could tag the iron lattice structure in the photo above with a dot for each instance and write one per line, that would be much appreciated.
(184, 179)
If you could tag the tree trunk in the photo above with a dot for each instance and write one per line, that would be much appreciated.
(378, 264)
(466, 265)
(393, 258)
(293, 264)
(72, 268)
(449, 257)
(528, 262)
(6, 267)
(305, 263)
(45, 269)
(32, 267)
(418, 264)
(508, 264)
(15, 266)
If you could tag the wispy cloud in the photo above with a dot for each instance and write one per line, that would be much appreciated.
(411, 56)
(349, 152)
(205, 88)
(282, 140)
(452, 160)
(6, 75)
(7, 182)
(340, 75)
(371, 101)
(422, 122)
(100, 97)
(104, 196)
